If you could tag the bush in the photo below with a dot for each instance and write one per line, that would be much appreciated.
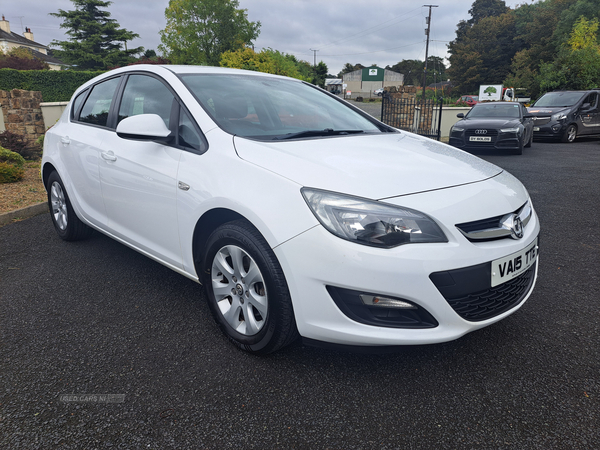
(18, 144)
(9, 173)
(9, 157)
(13, 141)
(55, 85)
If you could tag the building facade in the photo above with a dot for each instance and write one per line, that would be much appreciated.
(371, 78)
(10, 40)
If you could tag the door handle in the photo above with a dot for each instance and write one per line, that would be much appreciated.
(108, 156)
(65, 140)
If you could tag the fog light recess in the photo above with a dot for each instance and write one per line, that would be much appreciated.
(380, 310)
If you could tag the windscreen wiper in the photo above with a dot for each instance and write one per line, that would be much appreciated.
(314, 133)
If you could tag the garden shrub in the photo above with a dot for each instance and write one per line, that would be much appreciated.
(9, 173)
(11, 157)
(18, 144)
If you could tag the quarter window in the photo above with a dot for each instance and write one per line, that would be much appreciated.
(188, 137)
(96, 107)
(77, 103)
(146, 95)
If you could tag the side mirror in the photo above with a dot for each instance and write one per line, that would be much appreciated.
(144, 127)
(460, 115)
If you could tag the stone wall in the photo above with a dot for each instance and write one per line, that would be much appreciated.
(22, 113)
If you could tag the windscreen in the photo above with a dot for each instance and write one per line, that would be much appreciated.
(559, 99)
(270, 108)
(495, 110)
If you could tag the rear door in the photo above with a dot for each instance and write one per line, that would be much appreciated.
(80, 147)
(139, 178)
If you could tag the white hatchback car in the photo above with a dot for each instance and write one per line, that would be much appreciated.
(300, 214)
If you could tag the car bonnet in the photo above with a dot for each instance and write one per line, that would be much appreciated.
(547, 111)
(488, 122)
(371, 166)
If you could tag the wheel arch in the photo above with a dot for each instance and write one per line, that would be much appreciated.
(47, 169)
(205, 225)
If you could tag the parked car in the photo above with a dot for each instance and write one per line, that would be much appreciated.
(564, 115)
(378, 92)
(499, 125)
(468, 99)
(300, 214)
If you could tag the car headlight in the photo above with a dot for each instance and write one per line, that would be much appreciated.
(371, 222)
(510, 130)
(559, 116)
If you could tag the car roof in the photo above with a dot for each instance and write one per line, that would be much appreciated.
(496, 103)
(178, 70)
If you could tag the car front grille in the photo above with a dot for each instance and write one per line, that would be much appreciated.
(492, 227)
(487, 303)
(537, 121)
(488, 132)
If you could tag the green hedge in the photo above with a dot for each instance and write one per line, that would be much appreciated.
(55, 85)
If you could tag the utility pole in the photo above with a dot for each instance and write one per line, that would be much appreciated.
(315, 53)
(427, 46)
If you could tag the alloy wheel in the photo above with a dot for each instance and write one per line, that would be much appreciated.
(239, 289)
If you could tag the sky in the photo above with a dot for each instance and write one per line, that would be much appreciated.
(380, 32)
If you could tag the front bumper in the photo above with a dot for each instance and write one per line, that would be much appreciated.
(499, 141)
(544, 128)
(316, 261)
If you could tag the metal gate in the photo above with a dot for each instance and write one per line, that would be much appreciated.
(417, 116)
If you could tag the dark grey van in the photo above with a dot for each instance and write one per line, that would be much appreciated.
(565, 115)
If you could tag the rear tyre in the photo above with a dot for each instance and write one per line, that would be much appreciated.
(246, 289)
(67, 224)
(570, 134)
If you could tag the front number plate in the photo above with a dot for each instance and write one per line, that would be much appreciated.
(480, 139)
(536, 128)
(511, 266)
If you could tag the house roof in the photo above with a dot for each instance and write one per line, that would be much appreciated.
(47, 58)
(17, 39)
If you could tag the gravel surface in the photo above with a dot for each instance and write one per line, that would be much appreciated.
(95, 317)
(26, 192)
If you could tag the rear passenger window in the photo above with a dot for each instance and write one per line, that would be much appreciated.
(96, 107)
(146, 95)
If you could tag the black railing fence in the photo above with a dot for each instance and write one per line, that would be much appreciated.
(422, 117)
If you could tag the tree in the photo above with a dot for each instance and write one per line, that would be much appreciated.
(480, 9)
(412, 69)
(350, 68)
(320, 74)
(96, 41)
(267, 61)
(200, 31)
(484, 47)
(21, 58)
(578, 63)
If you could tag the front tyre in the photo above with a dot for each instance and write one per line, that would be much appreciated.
(67, 224)
(246, 289)
(570, 134)
(519, 149)
(528, 145)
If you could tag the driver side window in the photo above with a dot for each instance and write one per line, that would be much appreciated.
(592, 100)
(146, 95)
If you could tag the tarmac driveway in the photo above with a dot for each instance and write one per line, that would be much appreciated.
(97, 318)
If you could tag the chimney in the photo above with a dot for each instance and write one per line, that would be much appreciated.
(4, 25)
(28, 34)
